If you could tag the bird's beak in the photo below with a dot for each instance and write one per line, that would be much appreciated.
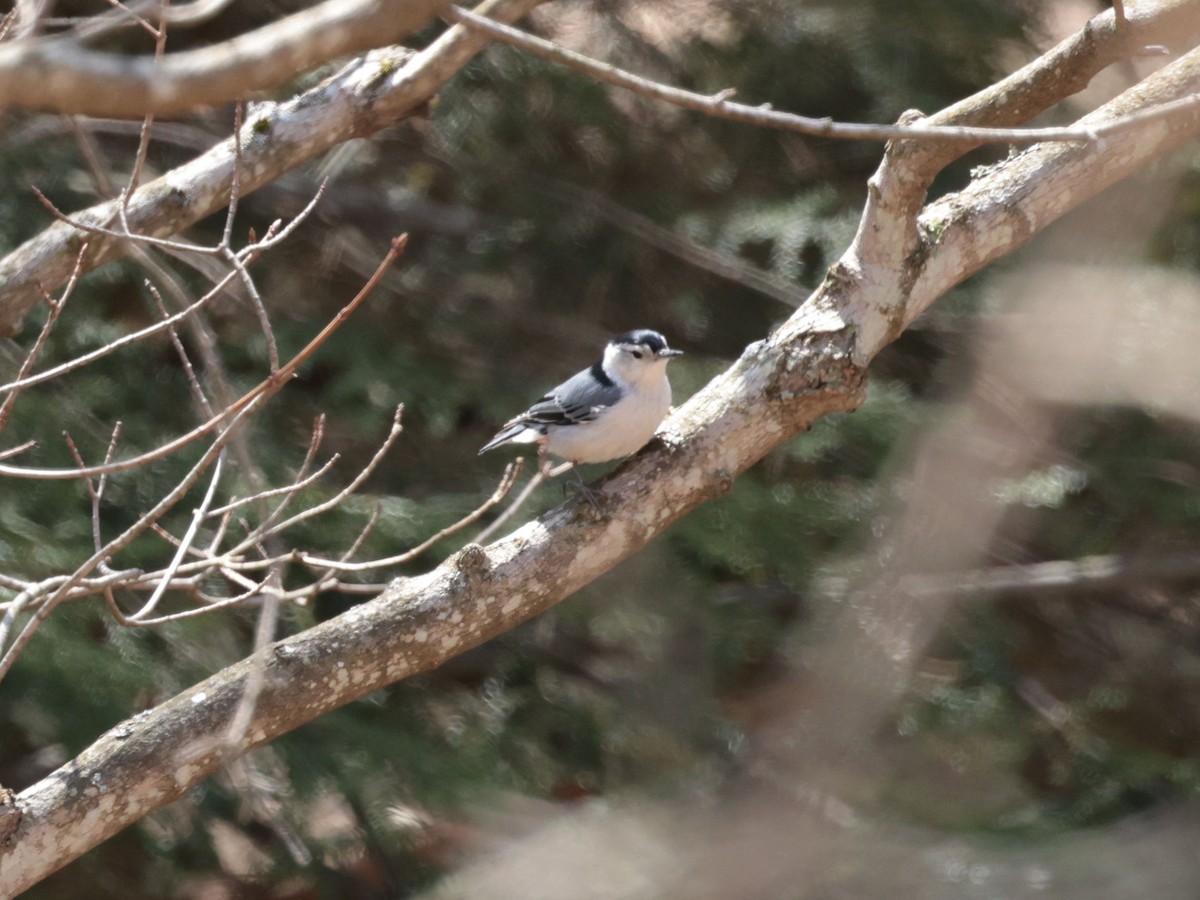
(662, 353)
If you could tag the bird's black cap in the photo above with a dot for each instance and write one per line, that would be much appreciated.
(652, 340)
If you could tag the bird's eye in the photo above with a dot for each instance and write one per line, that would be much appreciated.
(637, 354)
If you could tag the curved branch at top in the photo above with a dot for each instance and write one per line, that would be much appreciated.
(720, 106)
(60, 75)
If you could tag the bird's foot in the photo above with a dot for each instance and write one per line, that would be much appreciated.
(583, 490)
(587, 493)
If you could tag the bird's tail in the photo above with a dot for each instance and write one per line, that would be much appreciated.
(518, 433)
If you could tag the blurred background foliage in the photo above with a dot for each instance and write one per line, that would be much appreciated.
(541, 207)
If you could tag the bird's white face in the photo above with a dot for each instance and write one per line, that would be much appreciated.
(634, 363)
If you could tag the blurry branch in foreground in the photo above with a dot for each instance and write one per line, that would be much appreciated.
(905, 256)
(1090, 573)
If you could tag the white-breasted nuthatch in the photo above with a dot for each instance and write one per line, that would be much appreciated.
(608, 410)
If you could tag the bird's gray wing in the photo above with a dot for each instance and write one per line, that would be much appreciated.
(578, 399)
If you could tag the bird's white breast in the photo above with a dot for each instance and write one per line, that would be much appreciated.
(618, 431)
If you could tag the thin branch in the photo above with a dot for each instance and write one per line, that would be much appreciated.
(14, 609)
(275, 234)
(178, 16)
(143, 147)
(1090, 573)
(264, 635)
(724, 265)
(260, 308)
(226, 244)
(124, 233)
(7, 23)
(62, 592)
(181, 352)
(235, 186)
(17, 450)
(185, 543)
(261, 533)
(764, 116)
(95, 490)
(214, 606)
(527, 492)
(119, 343)
(288, 490)
(120, 7)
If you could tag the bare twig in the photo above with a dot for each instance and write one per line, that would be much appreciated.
(275, 235)
(264, 634)
(226, 244)
(95, 489)
(289, 491)
(178, 16)
(118, 6)
(1090, 573)
(511, 510)
(181, 352)
(724, 265)
(235, 185)
(14, 609)
(185, 542)
(55, 309)
(119, 343)
(125, 232)
(143, 147)
(507, 480)
(62, 591)
(209, 607)
(267, 388)
(17, 450)
(261, 533)
(7, 23)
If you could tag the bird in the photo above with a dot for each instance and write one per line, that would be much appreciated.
(609, 410)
